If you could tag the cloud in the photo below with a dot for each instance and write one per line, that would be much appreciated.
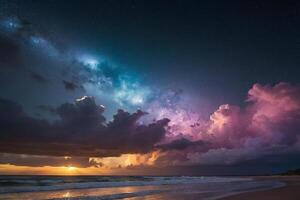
(180, 144)
(47, 109)
(81, 131)
(268, 125)
(40, 161)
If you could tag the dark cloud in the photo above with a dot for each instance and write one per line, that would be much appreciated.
(181, 144)
(132, 137)
(48, 109)
(39, 161)
(81, 131)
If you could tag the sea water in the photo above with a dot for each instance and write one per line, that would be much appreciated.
(126, 187)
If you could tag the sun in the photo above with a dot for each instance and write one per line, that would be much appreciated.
(71, 168)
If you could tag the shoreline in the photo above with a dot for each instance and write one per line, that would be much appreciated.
(291, 190)
(258, 188)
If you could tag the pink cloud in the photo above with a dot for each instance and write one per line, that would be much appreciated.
(268, 124)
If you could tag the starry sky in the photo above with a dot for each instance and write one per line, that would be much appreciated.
(149, 87)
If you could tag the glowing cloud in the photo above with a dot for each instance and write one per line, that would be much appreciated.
(268, 125)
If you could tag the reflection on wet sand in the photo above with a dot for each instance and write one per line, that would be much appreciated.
(77, 193)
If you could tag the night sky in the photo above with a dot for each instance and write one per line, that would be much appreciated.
(149, 87)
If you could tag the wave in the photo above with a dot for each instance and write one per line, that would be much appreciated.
(79, 183)
(180, 192)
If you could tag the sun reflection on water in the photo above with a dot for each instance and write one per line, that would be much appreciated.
(66, 195)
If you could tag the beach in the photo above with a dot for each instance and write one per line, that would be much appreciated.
(291, 191)
(136, 188)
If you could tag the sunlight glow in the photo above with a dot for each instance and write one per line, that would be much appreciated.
(67, 195)
(71, 168)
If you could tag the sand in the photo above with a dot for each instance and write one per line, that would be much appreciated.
(289, 192)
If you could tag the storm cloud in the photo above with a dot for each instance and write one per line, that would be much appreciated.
(267, 126)
(40, 161)
(82, 130)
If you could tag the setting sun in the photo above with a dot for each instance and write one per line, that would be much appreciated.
(71, 168)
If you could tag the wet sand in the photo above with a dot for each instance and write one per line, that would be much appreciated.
(289, 192)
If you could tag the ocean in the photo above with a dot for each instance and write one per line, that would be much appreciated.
(127, 187)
